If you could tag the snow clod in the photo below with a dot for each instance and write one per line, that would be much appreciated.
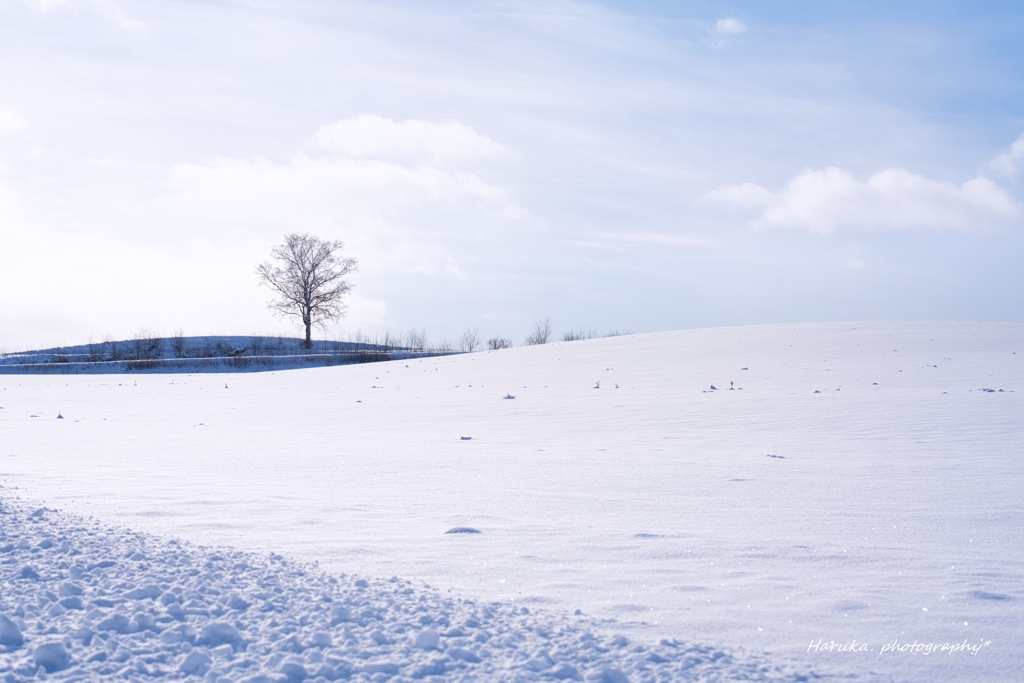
(221, 633)
(340, 614)
(428, 640)
(607, 675)
(10, 634)
(195, 663)
(52, 657)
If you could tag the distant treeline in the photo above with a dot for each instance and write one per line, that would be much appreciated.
(147, 352)
(207, 354)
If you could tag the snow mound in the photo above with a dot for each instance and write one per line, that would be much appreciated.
(103, 604)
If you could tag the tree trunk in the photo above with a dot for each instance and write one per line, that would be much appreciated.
(309, 338)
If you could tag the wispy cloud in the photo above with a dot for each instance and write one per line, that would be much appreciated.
(370, 136)
(730, 26)
(108, 9)
(830, 199)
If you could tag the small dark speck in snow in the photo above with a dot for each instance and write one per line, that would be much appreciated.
(465, 438)
(781, 457)
(744, 368)
(463, 530)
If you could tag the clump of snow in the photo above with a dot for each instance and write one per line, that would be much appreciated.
(113, 605)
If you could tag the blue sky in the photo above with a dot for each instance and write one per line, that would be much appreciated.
(641, 166)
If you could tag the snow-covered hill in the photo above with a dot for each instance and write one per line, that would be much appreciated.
(218, 354)
(840, 482)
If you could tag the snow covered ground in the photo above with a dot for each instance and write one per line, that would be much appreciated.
(88, 603)
(860, 482)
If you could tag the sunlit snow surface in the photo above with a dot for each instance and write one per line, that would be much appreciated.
(107, 605)
(890, 513)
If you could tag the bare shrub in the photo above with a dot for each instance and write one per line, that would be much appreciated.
(541, 333)
(495, 343)
(577, 335)
(617, 333)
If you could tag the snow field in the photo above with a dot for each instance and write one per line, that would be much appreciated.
(891, 512)
(84, 602)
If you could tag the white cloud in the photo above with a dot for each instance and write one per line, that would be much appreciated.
(370, 136)
(730, 26)
(11, 121)
(1007, 162)
(395, 216)
(825, 200)
(323, 191)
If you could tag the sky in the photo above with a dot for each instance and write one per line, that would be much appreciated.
(608, 165)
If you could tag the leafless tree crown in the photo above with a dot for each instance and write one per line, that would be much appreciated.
(308, 276)
(541, 332)
(470, 340)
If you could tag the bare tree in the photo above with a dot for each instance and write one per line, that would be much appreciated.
(145, 345)
(470, 340)
(416, 341)
(541, 332)
(178, 343)
(309, 278)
